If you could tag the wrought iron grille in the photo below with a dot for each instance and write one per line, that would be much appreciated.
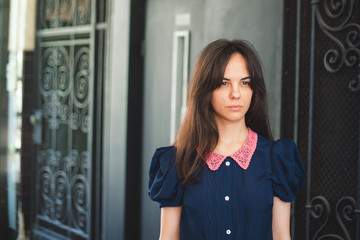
(62, 13)
(327, 122)
(63, 181)
(68, 38)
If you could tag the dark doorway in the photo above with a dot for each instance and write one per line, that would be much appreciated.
(321, 109)
(70, 62)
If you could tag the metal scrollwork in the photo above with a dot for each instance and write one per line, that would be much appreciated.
(65, 5)
(354, 84)
(55, 87)
(343, 54)
(63, 186)
(80, 119)
(63, 163)
(64, 13)
(49, 7)
(79, 201)
(45, 178)
(61, 194)
(320, 210)
(345, 210)
(65, 80)
(82, 15)
(82, 77)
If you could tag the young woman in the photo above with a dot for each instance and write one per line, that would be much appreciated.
(224, 177)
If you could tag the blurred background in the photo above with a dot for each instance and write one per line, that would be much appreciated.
(90, 88)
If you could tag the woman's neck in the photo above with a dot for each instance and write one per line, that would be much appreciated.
(231, 137)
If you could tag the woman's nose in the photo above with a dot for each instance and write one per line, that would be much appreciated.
(235, 92)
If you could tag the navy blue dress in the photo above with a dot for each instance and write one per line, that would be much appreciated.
(234, 197)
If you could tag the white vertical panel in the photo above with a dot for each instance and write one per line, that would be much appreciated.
(115, 121)
(22, 25)
(179, 80)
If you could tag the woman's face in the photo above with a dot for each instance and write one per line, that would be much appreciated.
(232, 99)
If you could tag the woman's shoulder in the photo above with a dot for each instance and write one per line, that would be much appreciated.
(163, 158)
(285, 146)
(164, 183)
(165, 149)
(277, 144)
(263, 143)
(287, 169)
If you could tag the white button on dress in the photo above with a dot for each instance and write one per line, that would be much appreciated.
(227, 163)
(227, 198)
(228, 232)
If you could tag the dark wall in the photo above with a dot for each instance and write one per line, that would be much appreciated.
(27, 147)
(4, 29)
(135, 116)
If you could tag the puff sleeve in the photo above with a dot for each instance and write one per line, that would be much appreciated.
(287, 170)
(165, 186)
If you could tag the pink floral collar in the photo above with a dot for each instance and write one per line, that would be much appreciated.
(242, 156)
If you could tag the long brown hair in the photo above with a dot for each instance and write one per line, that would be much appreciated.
(199, 130)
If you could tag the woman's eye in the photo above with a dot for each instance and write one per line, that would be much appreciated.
(225, 83)
(245, 83)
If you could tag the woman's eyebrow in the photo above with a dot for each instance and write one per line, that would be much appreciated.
(244, 78)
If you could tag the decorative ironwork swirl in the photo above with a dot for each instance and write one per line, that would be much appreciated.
(74, 121)
(53, 159)
(63, 185)
(81, 81)
(82, 16)
(62, 13)
(79, 201)
(79, 118)
(55, 85)
(320, 210)
(49, 7)
(343, 54)
(63, 81)
(71, 162)
(345, 209)
(61, 195)
(65, 5)
(45, 180)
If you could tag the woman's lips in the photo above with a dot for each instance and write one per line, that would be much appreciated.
(235, 107)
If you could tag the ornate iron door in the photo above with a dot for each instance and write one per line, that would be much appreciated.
(67, 36)
(322, 112)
